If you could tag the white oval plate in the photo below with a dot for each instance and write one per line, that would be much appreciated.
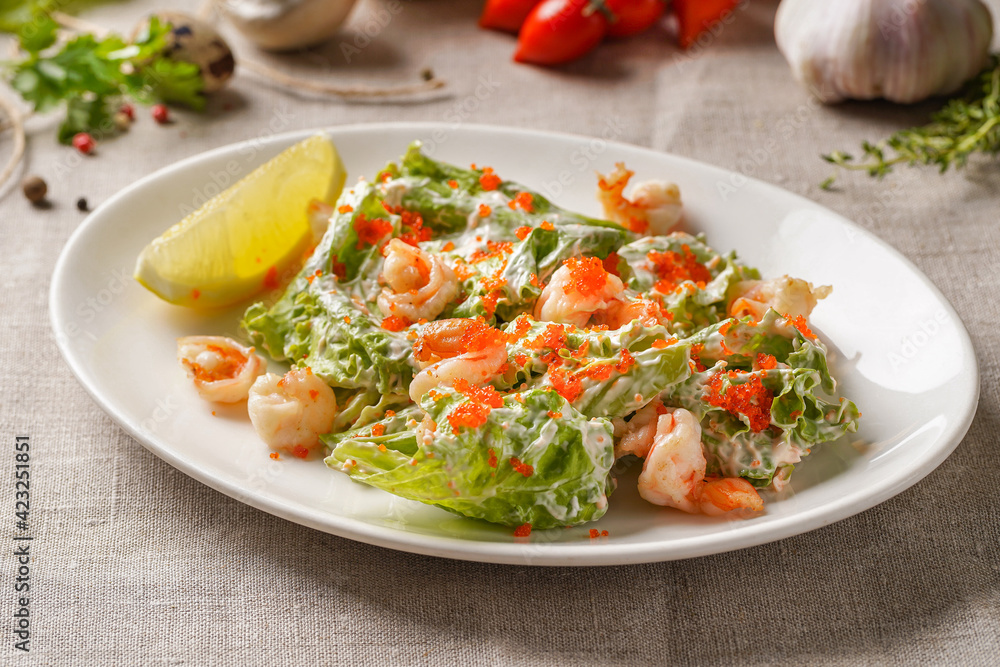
(898, 348)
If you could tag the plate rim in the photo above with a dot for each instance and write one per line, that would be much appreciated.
(528, 552)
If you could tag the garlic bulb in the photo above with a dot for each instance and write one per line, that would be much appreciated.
(902, 50)
(280, 25)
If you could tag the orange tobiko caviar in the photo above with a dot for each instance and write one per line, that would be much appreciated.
(494, 249)
(232, 362)
(522, 468)
(523, 201)
(489, 180)
(766, 362)
(566, 385)
(674, 268)
(415, 223)
(524, 530)
(751, 399)
(470, 415)
(475, 411)
(799, 322)
(627, 361)
(598, 372)
(490, 300)
(370, 231)
(521, 326)
(587, 275)
(395, 323)
(480, 336)
(553, 338)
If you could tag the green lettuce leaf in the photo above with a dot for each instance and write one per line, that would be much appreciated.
(805, 411)
(326, 331)
(611, 384)
(473, 472)
(692, 307)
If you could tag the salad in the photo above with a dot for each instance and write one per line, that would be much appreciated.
(457, 339)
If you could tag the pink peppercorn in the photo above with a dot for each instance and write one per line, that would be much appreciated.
(84, 143)
(161, 114)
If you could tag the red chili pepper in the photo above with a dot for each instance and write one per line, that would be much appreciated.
(161, 114)
(633, 16)
(506, 15)
(558, 31)
(84, 143)
(697, 16)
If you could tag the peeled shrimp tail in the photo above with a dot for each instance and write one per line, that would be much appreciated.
(292, 412)
(477, 367)
(636, 436)
(673, 473)
(789, 296)
(222, 369)
(419, 285)
(457, 348)
(655, 206)
(674, 468)
(579, 290)
(729, 494)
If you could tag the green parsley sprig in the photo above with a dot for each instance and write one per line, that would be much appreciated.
(966, 125)
(90, 77)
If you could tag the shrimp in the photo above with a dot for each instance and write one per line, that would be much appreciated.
(788, 296)
(419, 285)
(291, 412)
(675, 463)
(221, 368)
(655, 206)
(578, 290)
(673, 473)
(649, 313)
(727, 494)
(456, 348)
(636, 435)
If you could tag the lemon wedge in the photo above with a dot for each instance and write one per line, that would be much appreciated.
(245, 239)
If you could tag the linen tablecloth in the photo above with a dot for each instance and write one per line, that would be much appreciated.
(135, 563)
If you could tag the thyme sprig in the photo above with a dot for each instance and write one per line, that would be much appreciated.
(965, 125)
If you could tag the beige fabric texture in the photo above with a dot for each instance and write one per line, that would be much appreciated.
(135, 563)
